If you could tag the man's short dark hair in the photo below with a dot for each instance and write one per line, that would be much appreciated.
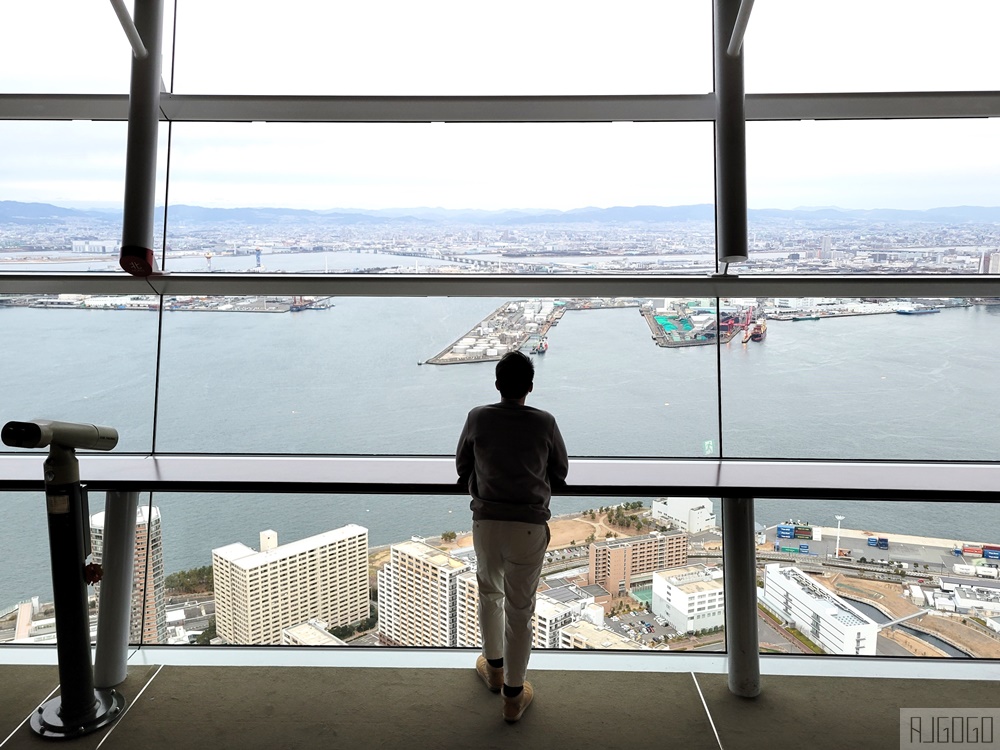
(515, 374)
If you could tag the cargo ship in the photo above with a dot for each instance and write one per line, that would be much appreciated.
(759, 331)
(917, 310)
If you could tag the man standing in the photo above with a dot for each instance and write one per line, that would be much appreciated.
(511, 457)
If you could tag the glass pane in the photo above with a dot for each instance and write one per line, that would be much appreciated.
(383, 376)
(324, 556)
(74, 358)
(69, 47)
(61, 194)
(344, 197)
(891, 45)
(535, 198)
(835, 572)
(444, 48)
(849, 197)
(864, 379)
(26, 586)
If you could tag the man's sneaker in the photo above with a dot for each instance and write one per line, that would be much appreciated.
(514, 707)
(492, 676)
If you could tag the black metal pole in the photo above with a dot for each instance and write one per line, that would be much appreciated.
(137, 255)
(79, 708)
(730, 140)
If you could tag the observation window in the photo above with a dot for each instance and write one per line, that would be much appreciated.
(890, 379)
(81, 358)
(443, 48)
(511, 198)
(68, 47)
(61, 195)
(796, 47)
(893, 197)
(359, 375)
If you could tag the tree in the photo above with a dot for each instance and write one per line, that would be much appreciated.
(448, 536)
(190, 581)
(205, 637)
(590, 539)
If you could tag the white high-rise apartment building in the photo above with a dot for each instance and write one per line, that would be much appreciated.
(467, 611)
(690, 597)
(257, 594)
(690, 514)
(148, 617)
(818, 612)
(417, 596)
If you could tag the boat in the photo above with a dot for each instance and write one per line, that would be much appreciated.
(805, 317)
(541, 347)
(759, 331)
(917, 310)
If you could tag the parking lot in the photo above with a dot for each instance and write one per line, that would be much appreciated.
(630, 626)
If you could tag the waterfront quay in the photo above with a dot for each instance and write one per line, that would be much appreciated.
(266, 304)
(674, 330)
(508, 328)
(517, 325)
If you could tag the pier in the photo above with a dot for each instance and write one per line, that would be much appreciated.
(508, 328)
(515, 324)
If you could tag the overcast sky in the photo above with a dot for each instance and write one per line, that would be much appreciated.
(519, 47)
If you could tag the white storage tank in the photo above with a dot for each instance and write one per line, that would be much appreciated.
(491, 352)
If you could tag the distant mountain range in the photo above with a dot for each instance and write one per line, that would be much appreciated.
(33, 213)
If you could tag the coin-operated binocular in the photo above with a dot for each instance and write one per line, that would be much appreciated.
(80, 708)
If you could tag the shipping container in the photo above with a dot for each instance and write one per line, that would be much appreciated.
(970, 549)
(883, 543)
(872, 541)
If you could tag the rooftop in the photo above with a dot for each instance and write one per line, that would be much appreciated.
(245, 557)
(434, 556)
(602, 638)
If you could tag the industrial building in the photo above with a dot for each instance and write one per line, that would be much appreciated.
(824, 617)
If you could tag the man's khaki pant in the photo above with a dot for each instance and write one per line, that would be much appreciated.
(509, 556)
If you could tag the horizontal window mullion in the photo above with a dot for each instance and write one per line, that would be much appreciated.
(502, 285)
(680, 108)
(881, 106)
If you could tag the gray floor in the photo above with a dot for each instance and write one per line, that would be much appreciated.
(382, 709)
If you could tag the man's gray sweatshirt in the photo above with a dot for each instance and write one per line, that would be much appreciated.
(511, 457)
